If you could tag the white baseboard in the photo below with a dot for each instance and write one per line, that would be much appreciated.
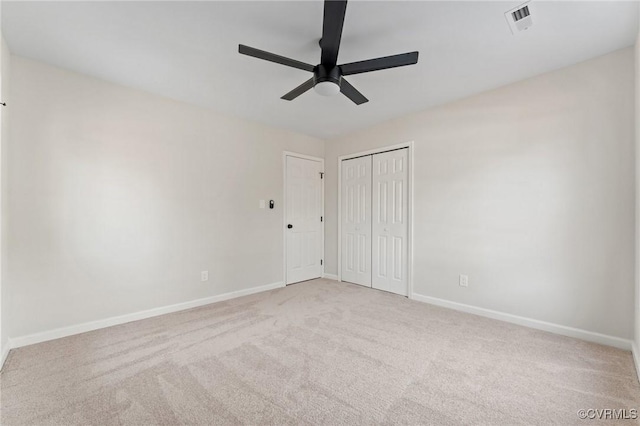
(57, 333)
(529, 322)
(330, 276)
(636, 357)
(4, 354)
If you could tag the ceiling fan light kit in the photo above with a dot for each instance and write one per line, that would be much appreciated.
(326, 82)
(327, 88)
(328, 76)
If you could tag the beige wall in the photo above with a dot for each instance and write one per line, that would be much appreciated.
(5, 63)
(528, 189)
(117, 200)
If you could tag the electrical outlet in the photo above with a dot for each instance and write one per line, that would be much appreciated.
(464, 280)
(204, 276)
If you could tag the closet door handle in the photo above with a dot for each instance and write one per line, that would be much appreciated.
(289, 226)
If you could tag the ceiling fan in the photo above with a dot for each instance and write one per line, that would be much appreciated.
(328, 76)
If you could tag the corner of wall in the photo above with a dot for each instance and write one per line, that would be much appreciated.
(635, 351)
(5, 62)
(636, 343)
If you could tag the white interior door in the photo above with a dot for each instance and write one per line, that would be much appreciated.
(389, 223)
(304, 226)
(356, 221)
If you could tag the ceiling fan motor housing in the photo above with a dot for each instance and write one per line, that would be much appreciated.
(326, 80)
(322, 74)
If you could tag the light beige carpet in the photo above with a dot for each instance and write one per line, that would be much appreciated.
(319, 352)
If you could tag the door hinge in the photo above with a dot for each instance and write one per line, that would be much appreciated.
(320, 262)
(320, 218)
(321, 175)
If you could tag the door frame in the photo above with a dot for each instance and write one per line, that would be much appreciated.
(380, 150)
(286, 154)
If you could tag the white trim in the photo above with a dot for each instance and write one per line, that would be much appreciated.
(286, 154)
(5, 354)
(303, 156)
(408, 145)
(410, 223)
(339, 219)
(122, 319)
(529, 322)
(635, 351)
(333, 277)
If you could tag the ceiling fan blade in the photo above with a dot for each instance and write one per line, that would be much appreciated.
(334, 11)
(380, 63)
(298, 90)
(352, 93)
(272, 57)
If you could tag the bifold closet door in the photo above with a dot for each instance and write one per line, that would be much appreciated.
(389, 222)
(356, 220)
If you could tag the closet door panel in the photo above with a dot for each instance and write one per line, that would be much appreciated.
(356, 220)
(389, 221)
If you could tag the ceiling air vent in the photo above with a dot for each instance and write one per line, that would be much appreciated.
(519, 19)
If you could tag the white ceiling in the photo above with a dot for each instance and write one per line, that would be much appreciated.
(189, 50)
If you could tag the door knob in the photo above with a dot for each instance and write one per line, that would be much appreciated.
(289, 226)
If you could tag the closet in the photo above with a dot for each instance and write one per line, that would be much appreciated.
(374, 216)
